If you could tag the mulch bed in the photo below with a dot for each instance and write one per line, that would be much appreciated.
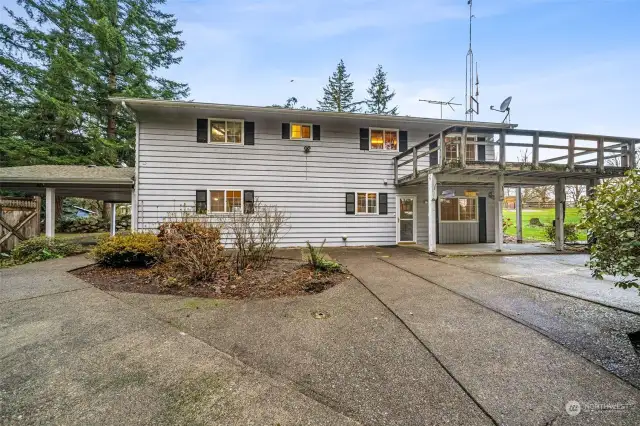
(281, 277)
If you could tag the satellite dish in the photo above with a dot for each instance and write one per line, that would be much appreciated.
(504, 107)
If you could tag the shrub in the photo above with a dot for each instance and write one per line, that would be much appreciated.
(611, 217)
(43, 248)
(193, 249)
(570, 232)
(139, 249)
(318, 262)
(506, 224)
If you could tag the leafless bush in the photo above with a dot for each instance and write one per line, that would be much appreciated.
(255, 235)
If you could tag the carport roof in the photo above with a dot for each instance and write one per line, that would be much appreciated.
(101, 175)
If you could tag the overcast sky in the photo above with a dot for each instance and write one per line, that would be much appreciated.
(570, 65)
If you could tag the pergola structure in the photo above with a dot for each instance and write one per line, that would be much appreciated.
(522, 158)
(109, 184)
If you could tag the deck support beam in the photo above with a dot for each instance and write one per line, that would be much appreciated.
(498, 198)
(432, 200)
(560, 196)
(50, 212)
(519, 215)
(134, 211)
(463, 148)
(113, 219)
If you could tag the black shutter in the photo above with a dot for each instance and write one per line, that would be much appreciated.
(364, 139)
(382, 203)
(285, 131)
(201, 130)
(248, 201)
(482, 219)
(201, 202)
(404, 140)
(249, 133)
(350, 203)
(316, 132)
(482, 153)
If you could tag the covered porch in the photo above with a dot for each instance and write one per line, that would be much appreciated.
(113, 185)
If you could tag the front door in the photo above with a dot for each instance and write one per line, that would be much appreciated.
(406, 213)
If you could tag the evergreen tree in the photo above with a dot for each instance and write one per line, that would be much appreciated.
(338, 93)
(380, 94)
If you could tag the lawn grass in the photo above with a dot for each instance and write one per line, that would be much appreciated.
(546, 216)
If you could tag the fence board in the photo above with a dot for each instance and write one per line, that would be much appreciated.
(19, 220)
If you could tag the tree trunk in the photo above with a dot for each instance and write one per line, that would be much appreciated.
(58, 209)
(106, 212)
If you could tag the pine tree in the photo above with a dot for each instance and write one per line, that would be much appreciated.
(338, 93)
(380, 94)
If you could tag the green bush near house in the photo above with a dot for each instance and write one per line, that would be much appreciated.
(570, 232)
(318, 262)
(43, 248)
(139, 249)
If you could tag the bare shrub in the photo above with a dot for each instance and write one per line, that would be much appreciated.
(192, 247)
(255, 235)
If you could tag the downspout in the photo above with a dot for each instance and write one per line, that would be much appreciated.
(136, 190)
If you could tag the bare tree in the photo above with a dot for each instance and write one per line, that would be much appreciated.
(574, 193)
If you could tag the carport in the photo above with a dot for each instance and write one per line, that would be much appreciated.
(109, 184)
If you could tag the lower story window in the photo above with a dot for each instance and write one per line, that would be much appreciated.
(367, 203)
(225, 201)
(459, 209)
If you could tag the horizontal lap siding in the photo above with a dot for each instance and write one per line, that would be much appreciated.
(309, 187)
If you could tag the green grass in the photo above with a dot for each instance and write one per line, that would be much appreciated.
(546, 216)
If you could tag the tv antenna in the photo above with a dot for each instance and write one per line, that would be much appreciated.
(471, 101)
(504, 107)
(449, 103)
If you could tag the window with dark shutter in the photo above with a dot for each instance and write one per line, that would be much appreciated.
(350, 202)
(201, 202)
(482, 153)
(383, 206)
(404, 140)
(364, 139)
(249, 133)
(248, 202)
(285, 131)
(201, 130)
(316, 132)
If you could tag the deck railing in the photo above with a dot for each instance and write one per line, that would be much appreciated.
(506, 147)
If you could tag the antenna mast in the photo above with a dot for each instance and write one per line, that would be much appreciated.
(471, 66)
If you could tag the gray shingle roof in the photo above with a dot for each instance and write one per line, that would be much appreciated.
(67, 174)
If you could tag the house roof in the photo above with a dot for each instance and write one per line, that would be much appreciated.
(151, 105)
(68, 174)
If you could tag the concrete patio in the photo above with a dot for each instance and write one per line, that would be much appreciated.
(489, 249)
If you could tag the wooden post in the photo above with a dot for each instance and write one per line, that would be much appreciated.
(441, 150)
(50, 212)
(503, 148)
(432, 199)
(498, 198)
(415, 162)
(463, 148)
(632, 155)
(113, 218)
(572, 153)
(519, 215)
(535, 155)
(560, 200)
(601, 155)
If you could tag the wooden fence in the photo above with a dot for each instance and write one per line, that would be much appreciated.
(19, 220)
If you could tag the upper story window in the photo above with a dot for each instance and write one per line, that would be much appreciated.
(226, 131)
(301, 131)
(383, 139)
(453, 146)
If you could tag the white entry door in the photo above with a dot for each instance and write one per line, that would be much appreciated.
(406, 214)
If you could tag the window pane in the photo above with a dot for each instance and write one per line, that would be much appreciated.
(449, 209)
(372, 205)
(377, 139)
(217, 131)
(451, 152)
(234, 132)
(296, 131)
(234, 201)
(306, 132)
(391, 140)
(467, 208)
(362, 203)
(471, 152)
(217, 201)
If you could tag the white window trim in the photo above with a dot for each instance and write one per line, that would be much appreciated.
(471, 140)
(301, 139)
(458, 221)
(397, 131)
(226, 120)
(367, 204)
(225, 200)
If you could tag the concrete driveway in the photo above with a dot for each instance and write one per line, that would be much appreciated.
(409, 340)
